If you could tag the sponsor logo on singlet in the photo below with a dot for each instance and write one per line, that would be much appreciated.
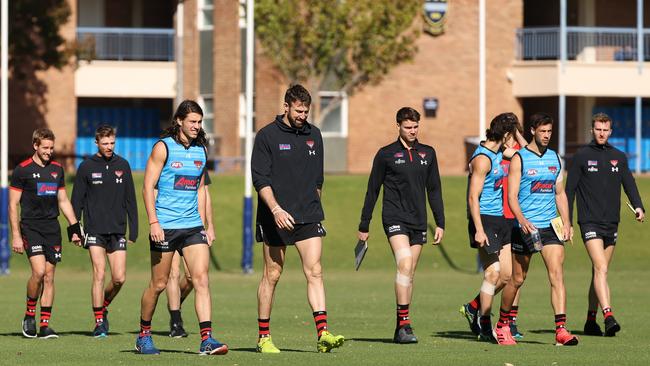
(186, 182)
(46, 189)
(542, 186)
(498, 184)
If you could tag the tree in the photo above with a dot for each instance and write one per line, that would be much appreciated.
(34, 41)
(337, 45)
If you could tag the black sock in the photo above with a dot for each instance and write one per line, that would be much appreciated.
(486, 324)
(176, 316)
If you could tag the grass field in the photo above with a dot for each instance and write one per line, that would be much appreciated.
(360, 304)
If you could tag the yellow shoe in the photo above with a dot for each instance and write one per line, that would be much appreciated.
(328, 341)
(265, 345)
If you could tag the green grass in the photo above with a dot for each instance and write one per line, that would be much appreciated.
(360, 304)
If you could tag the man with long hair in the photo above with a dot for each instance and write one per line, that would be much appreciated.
(176, 169)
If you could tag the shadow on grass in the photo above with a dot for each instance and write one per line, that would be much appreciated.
(161, 351)
(72, 332)
(373, 340)
(12, 334)
(162, 333)
(455, 334)
(542, 331)
(254, 350)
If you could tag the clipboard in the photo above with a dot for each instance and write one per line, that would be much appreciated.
(359, 253)
(558, 227)
(79, 230)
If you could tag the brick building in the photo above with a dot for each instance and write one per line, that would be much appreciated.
(566, 57)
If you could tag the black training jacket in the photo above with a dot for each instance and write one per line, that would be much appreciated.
(407, 175)
(104, 192)
(595, 178)
(290, 161)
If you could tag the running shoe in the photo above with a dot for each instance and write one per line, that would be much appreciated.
(472, 318)
(514, 331)
(404, 335)
(47, 332)
(100, 330)
(265, 345)
(106, 319)
(211, 346)
(503, 336)
(144, 345)
(592, 329)
(328, 341)
(176, 330)
(29, 327)
(564, 338)
(611, 326)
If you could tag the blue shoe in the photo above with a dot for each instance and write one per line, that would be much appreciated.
(144, 345)
(516, 334)
(211, 346)
(100, 330)
(472, 318)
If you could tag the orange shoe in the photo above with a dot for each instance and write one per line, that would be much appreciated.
(503, 336)
(564, 338)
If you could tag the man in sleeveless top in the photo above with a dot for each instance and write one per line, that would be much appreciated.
(176, 169)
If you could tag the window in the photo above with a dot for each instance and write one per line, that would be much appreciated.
(207, 103)
(335, 122)
(206, 22)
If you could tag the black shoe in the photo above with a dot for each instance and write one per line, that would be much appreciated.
(106, 320)
(404, 335)
(611, 326)
(47, 332)
(592, 329)
(100, 330)
(29, 327)
(177, 331)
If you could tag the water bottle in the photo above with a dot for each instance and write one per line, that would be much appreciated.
(537, 240)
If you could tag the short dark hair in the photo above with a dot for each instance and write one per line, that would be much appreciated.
(41, 134)
(104, 131)
(297, 93)
(501, 125)
(600, 117)
(540, 119)
(407, 113)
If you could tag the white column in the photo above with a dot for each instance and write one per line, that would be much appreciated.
(639, 34)
(637, 133)
(562, 126)
(481, 70)
(180, 24)
(563, 42)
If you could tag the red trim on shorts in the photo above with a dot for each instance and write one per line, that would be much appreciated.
(15, 189)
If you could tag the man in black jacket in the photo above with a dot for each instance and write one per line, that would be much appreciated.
(105, 195)
(595, 177)
(287, 169)
(408, 171)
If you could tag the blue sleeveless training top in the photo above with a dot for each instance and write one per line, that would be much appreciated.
(537, 186)
(491, 199)
(177, 200)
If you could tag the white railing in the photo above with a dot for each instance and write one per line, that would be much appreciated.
(583, 43)
(128, 44)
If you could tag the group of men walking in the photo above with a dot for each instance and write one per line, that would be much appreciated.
(287, 169)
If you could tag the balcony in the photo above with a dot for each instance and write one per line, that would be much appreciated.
(129, 44)
(589, 44)
(600, 61)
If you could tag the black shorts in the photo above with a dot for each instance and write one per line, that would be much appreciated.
(608, 232)
(497, 230)
(177, 239)
(522, 244)
(416, 237)
(110, 242)
(42, 237)
(276, 237)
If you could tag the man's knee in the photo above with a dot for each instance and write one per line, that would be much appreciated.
(600, 270)
(492, 272)
(159, 284)
(119, 279)
(201, 281)
(556, 277)
(314, 272)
